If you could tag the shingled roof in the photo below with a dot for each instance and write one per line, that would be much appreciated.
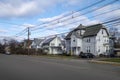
(70, 33)
(47, 41)
(37, 41)
(91, 30)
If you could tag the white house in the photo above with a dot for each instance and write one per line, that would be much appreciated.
(53, 45)
(88, 39)
(74, 41)
(37, 43)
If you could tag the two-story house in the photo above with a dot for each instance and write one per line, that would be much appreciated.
(88, 39)
(53, 45)
(74, 40)
(96, 40)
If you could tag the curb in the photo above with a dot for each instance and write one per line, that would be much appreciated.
(105, 62)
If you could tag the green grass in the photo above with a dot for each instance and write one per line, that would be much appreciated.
(112, 60)
(59, 56)
(56, 56)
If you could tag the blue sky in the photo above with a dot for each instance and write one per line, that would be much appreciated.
(16, 15)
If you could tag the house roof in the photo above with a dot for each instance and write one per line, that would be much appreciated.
(78, 28)
(47, 41)
(91, 30)
(38, 41)
(68, 35)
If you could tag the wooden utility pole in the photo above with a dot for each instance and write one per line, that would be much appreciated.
(28, 40)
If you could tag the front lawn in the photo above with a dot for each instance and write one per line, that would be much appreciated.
(112, 60)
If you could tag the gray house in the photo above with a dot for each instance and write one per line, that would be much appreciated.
(88, 39)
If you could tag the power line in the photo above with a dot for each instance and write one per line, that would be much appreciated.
(94, 16)
(77, 10)
(96, 3)
(91, 10)
(81, 14)
(21, 33)
(85, 19)
(110, 21)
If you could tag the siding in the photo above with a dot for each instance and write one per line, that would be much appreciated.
(101, 39)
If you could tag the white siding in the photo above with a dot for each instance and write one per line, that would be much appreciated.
(76, 45)
(68, 46)
(102, 42)
(89, 45)
(55, 46)
(73, 41)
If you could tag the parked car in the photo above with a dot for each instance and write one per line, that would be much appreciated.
(86, 55)
(8, 53)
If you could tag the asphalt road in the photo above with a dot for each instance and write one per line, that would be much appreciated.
(18, 67)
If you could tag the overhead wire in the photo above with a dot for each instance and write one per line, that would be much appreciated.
(80, 14)
(106, 22)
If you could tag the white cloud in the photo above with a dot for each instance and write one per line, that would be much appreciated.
(50, 19)
(9, 10)
(67, 20)
(28, 25)
(3, 31)
(107, 16)
(24, 8)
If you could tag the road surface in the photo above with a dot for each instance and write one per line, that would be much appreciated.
(19, 67)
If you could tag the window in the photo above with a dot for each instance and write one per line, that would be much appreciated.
(74, 40)
(88, 39)
(59, 44)
(102, 31)
(98, 50)
(107, 49)
(79, 32)
(52, 44)
(88, 49)
(99, 38)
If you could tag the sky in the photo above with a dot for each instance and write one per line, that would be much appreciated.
(16, 15)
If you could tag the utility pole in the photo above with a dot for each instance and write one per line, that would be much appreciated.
(28, 44)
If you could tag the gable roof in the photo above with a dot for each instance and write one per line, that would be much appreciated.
(80, 27)
(37, 41)
(68, 35)
(91, 30)
(47, 41)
